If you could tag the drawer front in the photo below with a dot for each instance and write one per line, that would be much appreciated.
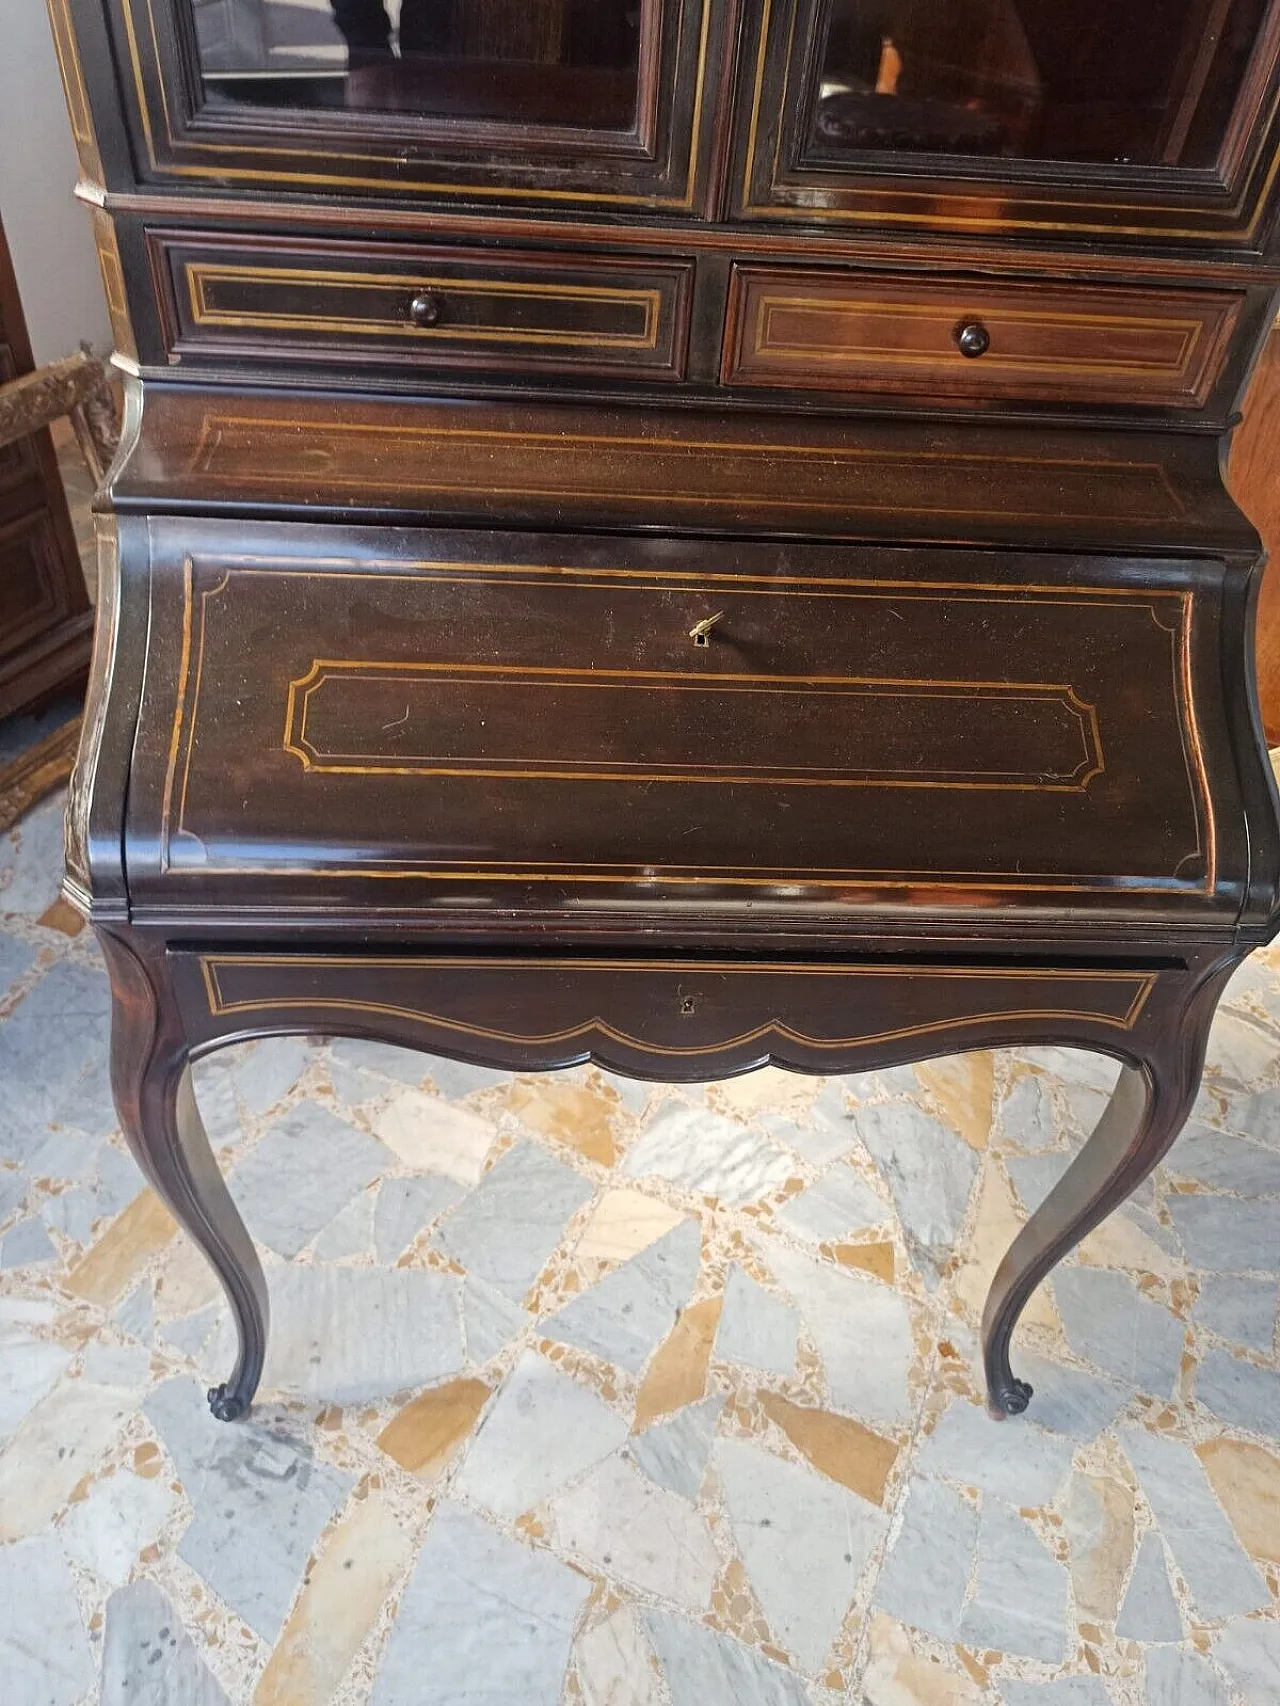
(681, 1019)
(445, 307)
(651, 723)
(807, 331)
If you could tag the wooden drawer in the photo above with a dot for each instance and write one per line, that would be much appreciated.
(530, 720)
(1044, 343)
(438, 307)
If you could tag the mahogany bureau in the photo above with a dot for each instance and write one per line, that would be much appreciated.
(684, 533)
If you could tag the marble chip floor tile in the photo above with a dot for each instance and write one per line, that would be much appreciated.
(589, 1393)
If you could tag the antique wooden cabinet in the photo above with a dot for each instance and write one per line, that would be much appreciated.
(681, 532)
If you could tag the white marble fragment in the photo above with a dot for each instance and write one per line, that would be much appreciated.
(756, 1328)
(930, 1172)
(705, 1153)
(637, 1533)
(1249, 1652)
(45, 1658)
(350, 1335)
(29, 1367)
(148, 1657)
(541, 1431)
(862, 1330)
(122, 1514)
(484, 1621)
(838, 1203)
(804, 1541)
(615, 1665)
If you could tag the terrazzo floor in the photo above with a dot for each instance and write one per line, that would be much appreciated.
(591, 1392)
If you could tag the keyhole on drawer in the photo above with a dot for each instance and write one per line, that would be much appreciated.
(688, 1003)
(700, 633)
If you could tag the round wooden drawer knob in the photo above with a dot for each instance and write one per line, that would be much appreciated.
(425, 309)
(973, 338)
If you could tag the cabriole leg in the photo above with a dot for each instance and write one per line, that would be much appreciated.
(1147, 1110)
(151, 1082)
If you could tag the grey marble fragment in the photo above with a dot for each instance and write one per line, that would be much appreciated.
(1242, 1310)
(16, 958)
(924, 1578)
(930, 1172)
(26, 1245)
(1179, 1676)
(1239, 1392)
(489, 1320)
(1222, 1579)
(308, 1166)
(1227, 1235)
(1249, 1652)
(405, 1206)
(1108, 1321)
(265, 1074)
(1225, 1163)
(756, 1328)
(1024, 1119)
(455, 1079)
(674, 1453)
(1258, 1116)
(1022, 1465)
(261, 1502)
(704, 1668)
(1034, 1176)
(627, 1314)
(1149, 1611)
(1020, 1603)
(404, 1065)
(45, 1658)
(484, 1621)
(54, 1050)
(804, 1540)
(1065, 1691)
(148, 1658)
(1069, 1401)
(505, 1230)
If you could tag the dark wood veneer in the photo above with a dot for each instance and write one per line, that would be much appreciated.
(601, 668)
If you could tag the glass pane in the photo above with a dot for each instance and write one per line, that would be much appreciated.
(541, 62)
(1145, 82)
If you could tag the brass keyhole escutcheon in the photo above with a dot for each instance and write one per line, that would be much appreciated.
(700, 633)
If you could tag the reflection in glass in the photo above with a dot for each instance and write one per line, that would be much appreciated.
(1148, 82)
(540, 62)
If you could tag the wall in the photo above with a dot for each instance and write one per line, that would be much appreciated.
(47, 229)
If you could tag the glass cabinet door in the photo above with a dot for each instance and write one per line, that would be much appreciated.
(591, 100)
(1133, 116)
